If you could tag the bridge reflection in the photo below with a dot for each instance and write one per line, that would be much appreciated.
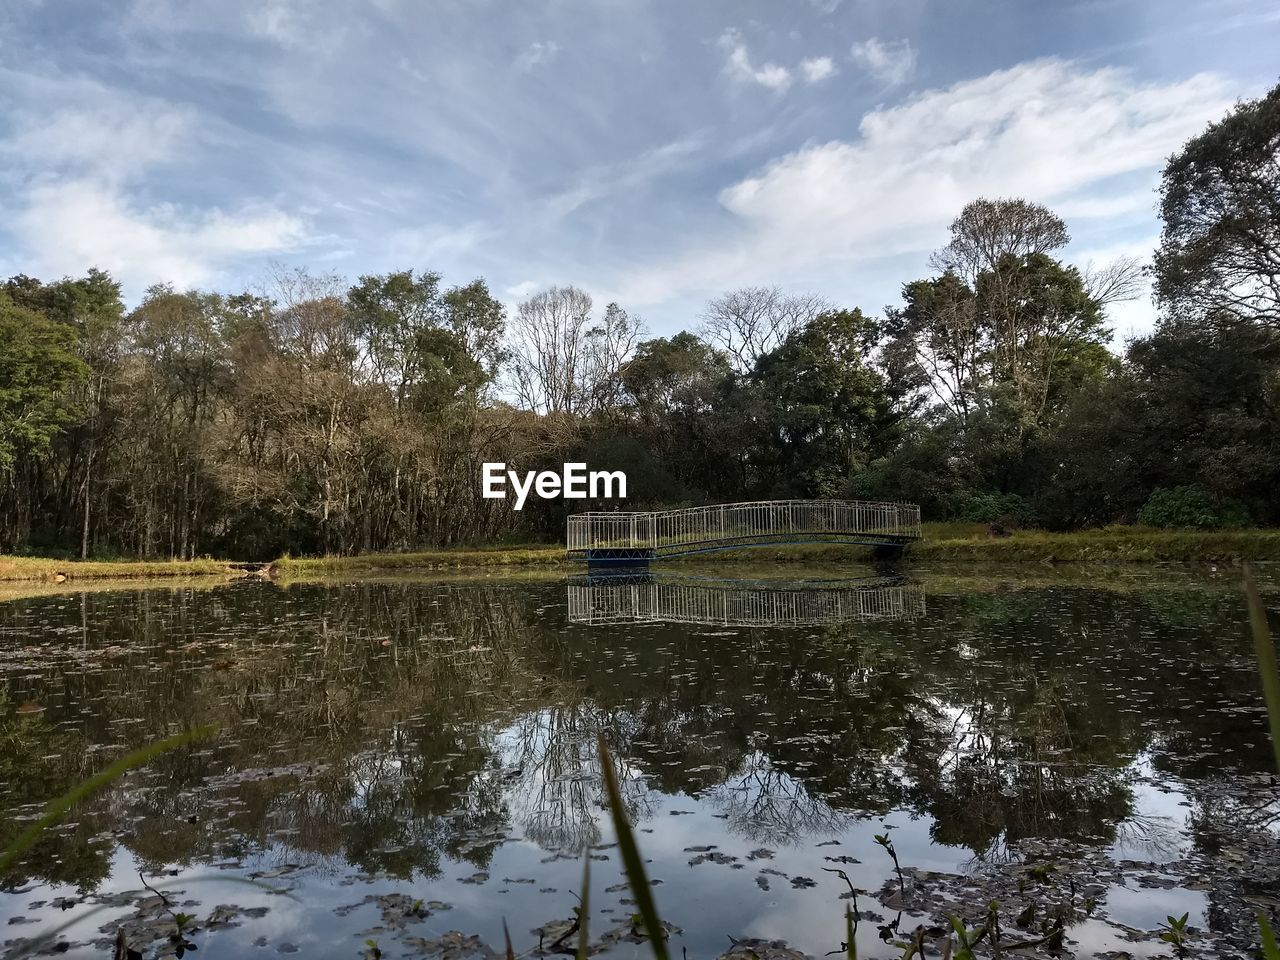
(648, 598)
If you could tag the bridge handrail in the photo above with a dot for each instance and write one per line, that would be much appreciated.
(736, 522)
(742, 604)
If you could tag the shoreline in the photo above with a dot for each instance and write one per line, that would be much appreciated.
(1110, 545)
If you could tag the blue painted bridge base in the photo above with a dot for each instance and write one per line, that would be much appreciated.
(624, 558)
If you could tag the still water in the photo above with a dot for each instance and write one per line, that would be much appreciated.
(403, 766)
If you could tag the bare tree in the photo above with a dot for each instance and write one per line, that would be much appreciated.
(562, 362)
(610, 344)
(1119, 281)
(547, 335)
(749, 322)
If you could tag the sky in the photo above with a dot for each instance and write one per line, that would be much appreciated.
(653, 152)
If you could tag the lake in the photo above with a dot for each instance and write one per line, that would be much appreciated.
(401, 766)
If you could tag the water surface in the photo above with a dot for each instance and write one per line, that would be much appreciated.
(412, 762)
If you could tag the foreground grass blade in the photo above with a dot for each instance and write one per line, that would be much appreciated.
(1270, 950)
(851, 946)
(62, 806)
(631, 861)
(1266, 653)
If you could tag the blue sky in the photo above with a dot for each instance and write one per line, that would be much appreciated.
(656, 152)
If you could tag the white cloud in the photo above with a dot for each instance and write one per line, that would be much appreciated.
(892, 62)
(1047, 130)
(738, 65)
(68, 226)
(537, 53)
(79, 190)
(110, 139)
(817, 69)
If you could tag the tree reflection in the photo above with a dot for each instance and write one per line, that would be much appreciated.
(396, 726)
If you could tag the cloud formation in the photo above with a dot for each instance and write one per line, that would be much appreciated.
(640, 150)
(80, 179)
(1048, 130)
(891, 62)
(738, 65)
(817, 69)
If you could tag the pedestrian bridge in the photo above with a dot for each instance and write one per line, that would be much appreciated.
(643, 598)
(637, 538)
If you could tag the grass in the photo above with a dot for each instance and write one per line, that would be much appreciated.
(43, 568)
(57, 811)
(962, 542)
(1107, 545)
(1268, 672)
(527, 556)
(959, 542)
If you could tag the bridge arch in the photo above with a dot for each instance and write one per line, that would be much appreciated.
(639, 537)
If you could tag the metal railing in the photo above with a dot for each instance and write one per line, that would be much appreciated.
(669, 532)
(741, 604)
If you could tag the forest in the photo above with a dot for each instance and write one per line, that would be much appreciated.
(322, 416)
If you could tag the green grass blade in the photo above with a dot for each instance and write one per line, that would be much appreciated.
(62, 806)
(1266, 653)
(1270, 950)
(851, 946)
(631, 862)
(584, 908)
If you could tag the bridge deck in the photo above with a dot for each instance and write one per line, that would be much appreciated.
(673, 533)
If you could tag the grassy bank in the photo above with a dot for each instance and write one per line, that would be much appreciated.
(942, 542)
(542, 555)
(41, 568)
(962, 543)
(1107, 545)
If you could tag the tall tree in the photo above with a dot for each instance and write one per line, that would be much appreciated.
(39, 372)
(940, 332)
(826, 410)
(986, 231)
(1220, 201)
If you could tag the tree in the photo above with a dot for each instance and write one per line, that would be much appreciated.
(940, 332)
(92, 307)
(175, 375)
(562, 362)
(1044, 327)
(548, 334)
(38, 369)
(989, 230)
(825, 409)
(609, 345)
(749, 322)
(1220, 201)
(479, 320)
(668, 377)
(1208, 396)
(390, 312)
